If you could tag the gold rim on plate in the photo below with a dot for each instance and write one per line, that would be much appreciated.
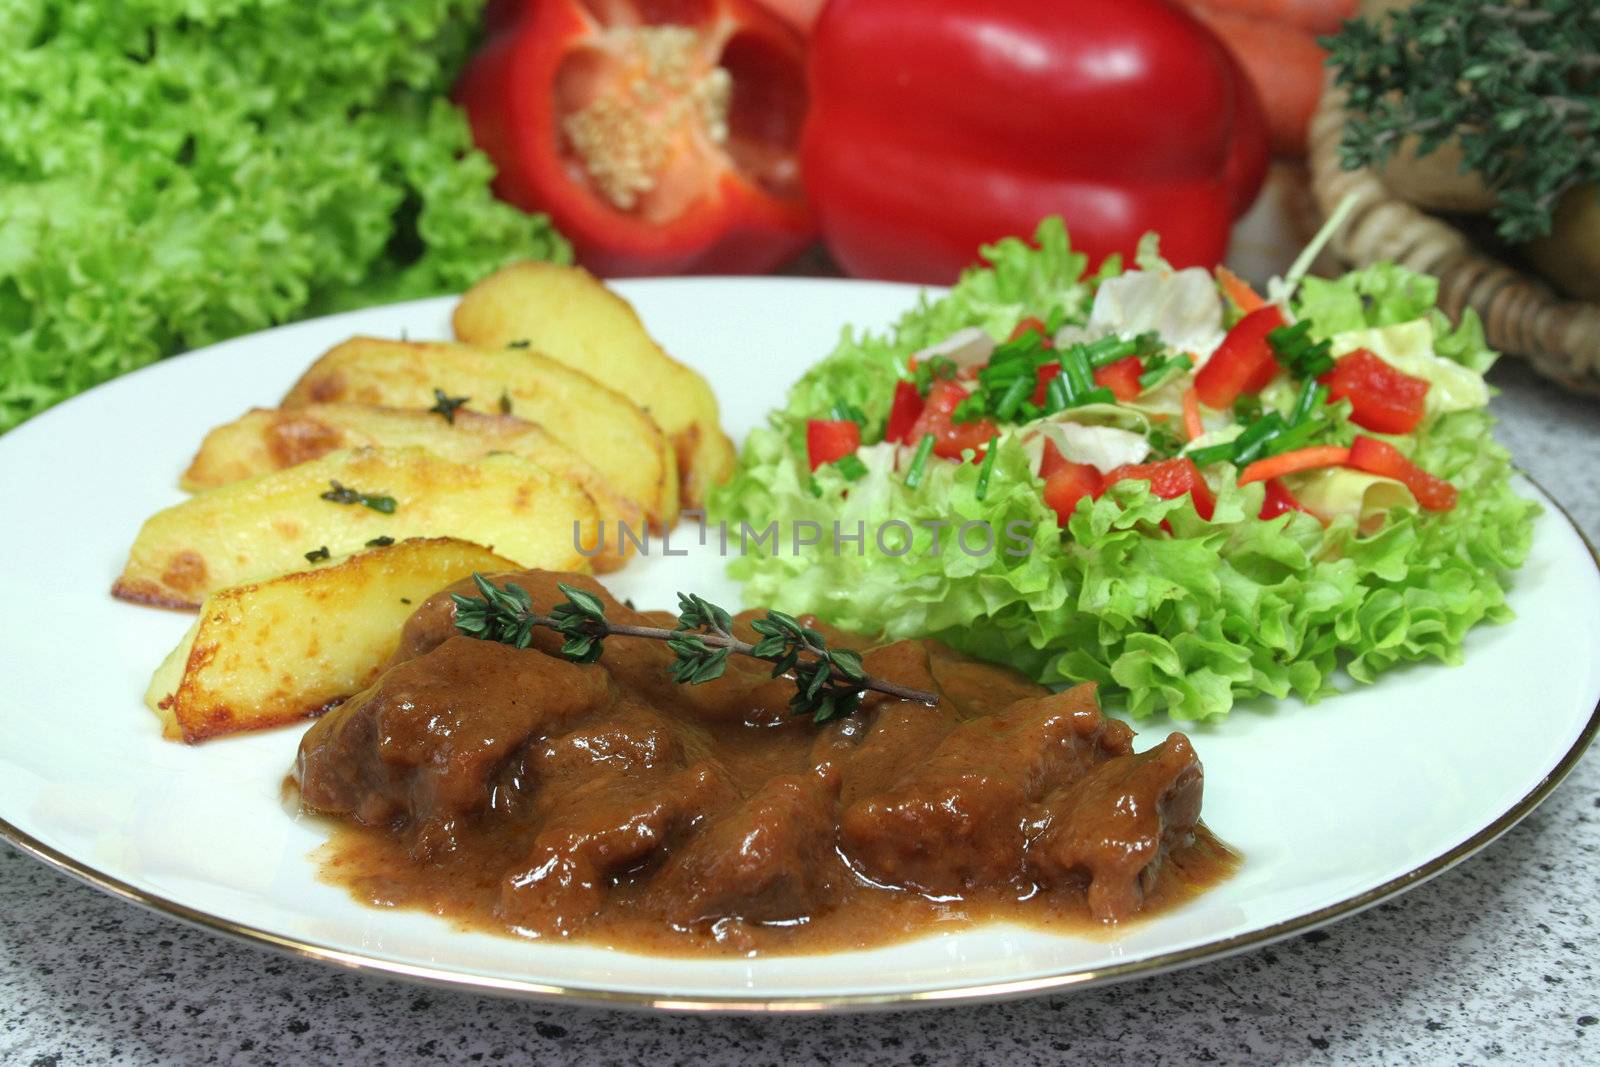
(953, 995)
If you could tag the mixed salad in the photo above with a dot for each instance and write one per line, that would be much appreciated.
(1187, 492)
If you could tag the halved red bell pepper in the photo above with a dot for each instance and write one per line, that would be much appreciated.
(1243, 362)
(660, 135)
(937, 126)
(1383, 459)
(1382, 398)
(830, 440)
(950, 438)
(1170, 479)
(903, 415)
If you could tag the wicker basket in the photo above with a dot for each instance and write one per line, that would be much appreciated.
(1521, 315)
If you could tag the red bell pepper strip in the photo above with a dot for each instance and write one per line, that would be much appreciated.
(1382, 399)
(661, 139)
(1243, 362)
(1278, 501)
(1044, 375)
(937, 126)
(903, 414)
(1383, 459)
(830, 440)
(1170, 479)
(1121, 377)
(1301, 459)
(950, 438)
(1066, 483)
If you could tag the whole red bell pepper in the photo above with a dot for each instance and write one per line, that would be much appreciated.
(939, 125)
(660, 138)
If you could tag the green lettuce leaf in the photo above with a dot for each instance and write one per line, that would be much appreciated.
(175, 172)
(1184, 622)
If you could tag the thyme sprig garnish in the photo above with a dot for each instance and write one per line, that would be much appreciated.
(829, 682)
(446, 405)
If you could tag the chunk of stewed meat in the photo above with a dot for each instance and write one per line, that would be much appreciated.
(1113, 828)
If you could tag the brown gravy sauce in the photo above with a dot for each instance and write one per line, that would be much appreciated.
(512, 791)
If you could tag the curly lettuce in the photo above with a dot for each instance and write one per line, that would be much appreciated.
(1169, 612)
(175, 172)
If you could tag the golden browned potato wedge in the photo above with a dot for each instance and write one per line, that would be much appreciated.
(569, 315)
(265, 440)
(272, 652)
(608, 430)
(265, 526)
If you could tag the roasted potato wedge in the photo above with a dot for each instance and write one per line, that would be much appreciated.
(265, 440)
(569, 315)
(264, 526)
(272, 652)
(608, 430)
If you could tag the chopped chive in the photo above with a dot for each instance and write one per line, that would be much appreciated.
(985, 469)
(1211, 454)
(1108, 350)
(1075, 368)
(1014, 396)
(1252, 444)
(919, 462)
(1247, 409)
(1055, 320)
(1100, 395)
(1055, 395)
(973, 408)
(844, 411)
(1165, 371)
(1028, 411)
(851, 467)
(1312, 397)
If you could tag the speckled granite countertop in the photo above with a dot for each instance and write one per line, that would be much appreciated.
(1498, 959)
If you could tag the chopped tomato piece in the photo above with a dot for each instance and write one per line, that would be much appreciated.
(1382, 398)
(1067, 483)
(828, 440)
(903, 415)
(1243, 362)
(1046, 373)
(1032, 324)
(1170, 479)
(950, 438)
(1278, 500)
(1121, 377)
(1383, 459)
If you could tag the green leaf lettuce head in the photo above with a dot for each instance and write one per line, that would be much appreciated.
(175, 172)
(1184, 622)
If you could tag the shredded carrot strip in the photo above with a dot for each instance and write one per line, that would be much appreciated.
(1191, 414)
(1239, 291)
(1301, 459)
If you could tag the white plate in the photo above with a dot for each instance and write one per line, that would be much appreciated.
(1334, 807)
